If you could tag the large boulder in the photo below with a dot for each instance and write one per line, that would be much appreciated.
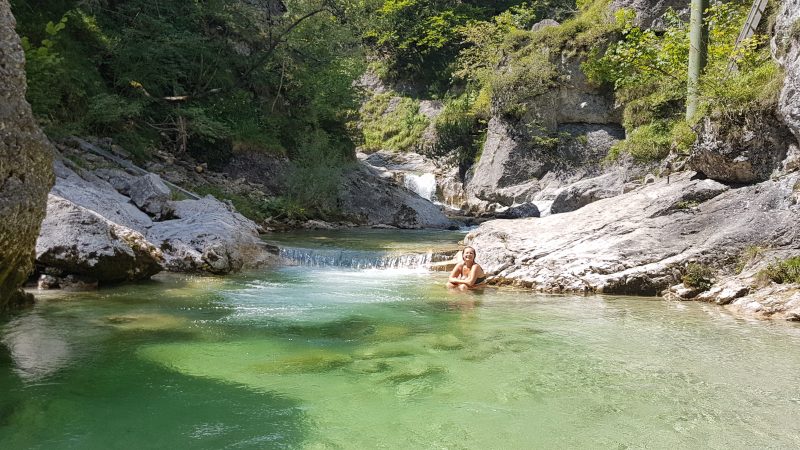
(75, 240)
(515, 167)
(743, 149)
(87, 189)
(25, 167)
(208, 235)
(640, 242)
(372, 199)
(151, 195)
(508, 159)
(203, 235)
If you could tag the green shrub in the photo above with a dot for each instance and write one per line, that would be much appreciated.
(786, 271)
(520, 81)
(749, 254)
(459, 130)
(314, 177)
(698, 276)
(392, 122)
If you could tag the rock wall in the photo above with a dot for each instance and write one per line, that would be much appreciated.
(786, 50)
(25, 167)
(649, 13)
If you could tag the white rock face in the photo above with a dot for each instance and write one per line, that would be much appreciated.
(91, 228)
(786, 50)
(208, 236)
(76, 240)
(638, 242)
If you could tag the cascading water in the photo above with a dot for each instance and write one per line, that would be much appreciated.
(424, 185)
(360, 259)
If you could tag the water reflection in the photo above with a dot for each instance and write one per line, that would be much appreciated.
(38, 347)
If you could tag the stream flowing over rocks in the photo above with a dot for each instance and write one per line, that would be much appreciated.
(25, 172)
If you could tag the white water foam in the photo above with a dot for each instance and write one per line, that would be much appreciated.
(423, 185)
(358, 260)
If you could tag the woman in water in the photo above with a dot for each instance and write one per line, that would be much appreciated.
(467, 274)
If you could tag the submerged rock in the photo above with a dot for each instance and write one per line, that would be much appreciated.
(25, 167)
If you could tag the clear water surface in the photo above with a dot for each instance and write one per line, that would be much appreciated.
(328, 357)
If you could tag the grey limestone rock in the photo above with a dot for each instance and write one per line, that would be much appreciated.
(203, 235)
(786, 50)
(513, 169)
(586, 191)
(371, 200)
(151, 195)
(519, 211)
(208, 235)
(25, 168)
(744, 149)
(79, 241)
(633, 243)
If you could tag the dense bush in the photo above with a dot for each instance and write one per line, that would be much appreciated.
(648, 71)
(203, 78)
(392, 122)
(786, 271)
(698, 276)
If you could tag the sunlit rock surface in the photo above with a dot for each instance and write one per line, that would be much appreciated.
(25, 167)
(639, 242)
(204, 235)
(76, 240)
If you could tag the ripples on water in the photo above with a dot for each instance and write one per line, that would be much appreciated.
(337, 357)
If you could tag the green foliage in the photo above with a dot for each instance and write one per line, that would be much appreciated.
(315, 176)
(654, 141)
(698, 276)
(786, 271)
(648, 71)
(525, 77)
(751, 253)
(392, 122)
(207, 78)
(458, 130)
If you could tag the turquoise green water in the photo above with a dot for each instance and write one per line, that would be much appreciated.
(331, 357)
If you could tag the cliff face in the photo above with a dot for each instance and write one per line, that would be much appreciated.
(26, 173)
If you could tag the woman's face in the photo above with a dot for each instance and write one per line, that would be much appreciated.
(469, 254)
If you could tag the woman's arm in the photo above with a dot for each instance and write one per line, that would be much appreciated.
(455, 275)
(474, 273)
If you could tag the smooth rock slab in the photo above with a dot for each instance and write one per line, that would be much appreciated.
(638, 242)
(208, 236)
(79, 241)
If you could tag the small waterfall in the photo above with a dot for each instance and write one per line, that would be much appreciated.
(424, 185)
(360, 259)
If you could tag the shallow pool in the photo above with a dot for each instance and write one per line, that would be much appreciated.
(339, 357)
